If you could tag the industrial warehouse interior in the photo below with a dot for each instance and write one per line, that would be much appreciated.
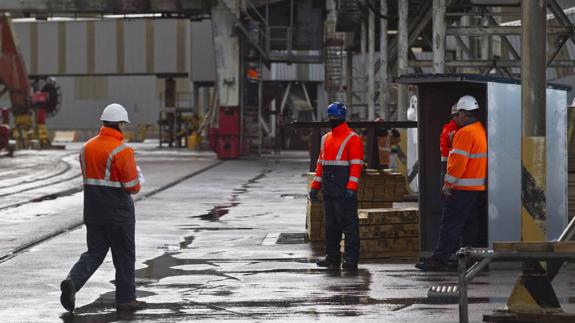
(287, 160)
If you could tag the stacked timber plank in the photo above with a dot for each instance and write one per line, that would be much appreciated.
(389, 233)
(315, 221)
(377, 189)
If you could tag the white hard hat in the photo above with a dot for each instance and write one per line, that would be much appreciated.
(115, 113)
(454, 109)
(467, 103)
(572, 104)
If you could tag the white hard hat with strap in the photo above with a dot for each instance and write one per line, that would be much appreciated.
(115, 113)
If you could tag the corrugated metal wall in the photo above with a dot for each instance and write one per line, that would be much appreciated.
(136, 46)
(97, 62)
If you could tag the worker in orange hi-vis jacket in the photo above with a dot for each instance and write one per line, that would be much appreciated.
(110, 177)
(446, 139)
(463, 188)
(337, 174)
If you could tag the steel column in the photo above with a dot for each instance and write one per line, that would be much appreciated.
(362, 68)
(383, 96)
(402, 59)
(349, 78)
(533, 102)
(370, 67)
(439, 9)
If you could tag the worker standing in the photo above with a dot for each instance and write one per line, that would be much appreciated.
(385, 142)
(337, 173)
(446, 139)
(463, 188)
(110, 177)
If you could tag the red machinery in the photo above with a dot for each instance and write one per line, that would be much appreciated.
(45, 101)
(225, 140)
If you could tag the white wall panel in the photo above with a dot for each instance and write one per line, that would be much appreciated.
(165, 47)
(138, 95)
(201, 44)
(22, 33)
(135, 46)
(105, 47)
(135, 93)
(76, 57)
(47, 48)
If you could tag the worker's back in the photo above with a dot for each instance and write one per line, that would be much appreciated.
(110, 176)
(467, 165)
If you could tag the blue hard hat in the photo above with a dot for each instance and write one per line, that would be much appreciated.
(337, 110)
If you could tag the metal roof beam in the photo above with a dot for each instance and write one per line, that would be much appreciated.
(502, 30)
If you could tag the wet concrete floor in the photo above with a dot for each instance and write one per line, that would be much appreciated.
(227, 244)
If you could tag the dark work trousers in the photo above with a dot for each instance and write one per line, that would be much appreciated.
(341, 217)
(120, 238)
(459, 223)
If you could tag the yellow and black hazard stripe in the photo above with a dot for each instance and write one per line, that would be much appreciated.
(533, 200)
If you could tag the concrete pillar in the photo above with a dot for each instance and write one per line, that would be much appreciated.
(439, 9)
(383, 97)
(227, 52)
(533, 102)
(370, 67)
(402, 100)
(362, 68)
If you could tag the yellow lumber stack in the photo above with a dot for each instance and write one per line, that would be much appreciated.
(389, 233)
(377, 189)
(315, 222)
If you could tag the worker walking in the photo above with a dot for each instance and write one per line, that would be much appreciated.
(337, 173)
(463, 188)
(446, 139)
(110, 176)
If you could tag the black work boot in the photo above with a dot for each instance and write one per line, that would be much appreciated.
(68, 296)
(130, 307)
(328, 262)
(432, 264)
(349, 265)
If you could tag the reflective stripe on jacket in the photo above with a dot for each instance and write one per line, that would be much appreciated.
(110, 176)
(340, 161)
(467, 163)
(446, 139)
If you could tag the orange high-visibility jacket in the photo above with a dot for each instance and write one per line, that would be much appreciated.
(340, 161)
(467, 162)
(110, 176)
(446, 139)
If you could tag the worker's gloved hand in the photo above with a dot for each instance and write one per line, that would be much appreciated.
(350, 194)
(313, 195)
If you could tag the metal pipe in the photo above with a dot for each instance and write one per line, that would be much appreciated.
(260, 106)
(489, 63)
(502, 30)
(370, 67)
(349, 76)
(463, 306)
(383, 97)
(476, 268)
(363, 69)
(439, 9)
(402, 58)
